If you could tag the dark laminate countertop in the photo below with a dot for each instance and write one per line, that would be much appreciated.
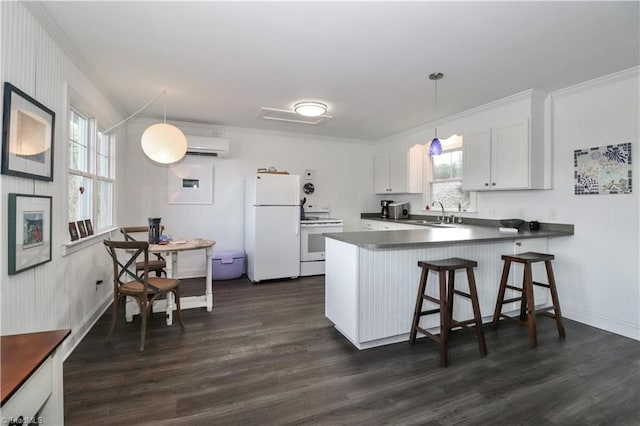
(21, 356)
(431, 236)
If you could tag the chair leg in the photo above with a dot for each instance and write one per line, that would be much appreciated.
(476, 311)
(531, 306)
(444, 319)
(501, 290)
(418, 308)
(114, 310)
(554, 298)
(144, 312)
(176, 296)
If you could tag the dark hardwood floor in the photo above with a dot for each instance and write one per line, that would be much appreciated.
(267, 355)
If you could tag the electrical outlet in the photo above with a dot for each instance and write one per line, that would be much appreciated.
(520, 214)
(492, 212)
(552, 214)
(309, 174)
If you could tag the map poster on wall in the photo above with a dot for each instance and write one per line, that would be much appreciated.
(603, 170)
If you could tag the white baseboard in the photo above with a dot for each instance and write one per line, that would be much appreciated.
(612, 325)
(78, 333)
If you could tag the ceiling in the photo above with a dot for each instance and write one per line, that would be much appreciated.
(220, 62)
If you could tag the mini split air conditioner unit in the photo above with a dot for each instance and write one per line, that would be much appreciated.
(207, 146)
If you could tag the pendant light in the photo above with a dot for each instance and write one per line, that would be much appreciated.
(436, 147)
(164, 143)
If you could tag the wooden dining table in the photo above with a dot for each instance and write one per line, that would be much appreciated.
(172, 249)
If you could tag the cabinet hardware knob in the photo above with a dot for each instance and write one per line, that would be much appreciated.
(493, 184)
(486, 184)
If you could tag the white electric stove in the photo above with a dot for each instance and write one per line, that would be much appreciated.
(315, 223)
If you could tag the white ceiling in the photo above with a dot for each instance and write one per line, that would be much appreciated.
(220, 62)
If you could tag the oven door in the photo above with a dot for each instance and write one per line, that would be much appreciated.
(312, 241)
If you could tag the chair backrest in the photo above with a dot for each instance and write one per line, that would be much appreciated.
(124, 255)
(128, 230)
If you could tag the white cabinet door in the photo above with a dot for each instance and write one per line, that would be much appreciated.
(368, 225)
(398, 172)
(510, 155)
(387, 226)
(477, 161)
(381, 174)
(498, 158)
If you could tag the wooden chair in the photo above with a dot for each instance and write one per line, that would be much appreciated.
(144, 289)
(157, 265)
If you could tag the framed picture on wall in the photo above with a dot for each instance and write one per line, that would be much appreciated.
(27, 136)
(29, 231)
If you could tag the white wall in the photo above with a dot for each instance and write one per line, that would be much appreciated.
(343, 170)
(597, 269)
(61, 293)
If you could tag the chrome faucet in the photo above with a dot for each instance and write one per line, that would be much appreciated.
(441, 206)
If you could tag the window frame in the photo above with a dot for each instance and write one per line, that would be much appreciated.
(93, 131)
(455, 143)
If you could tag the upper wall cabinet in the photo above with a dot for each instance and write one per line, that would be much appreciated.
(508, 155)
(398, 172)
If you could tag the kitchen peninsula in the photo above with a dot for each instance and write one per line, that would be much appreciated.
(372, 277)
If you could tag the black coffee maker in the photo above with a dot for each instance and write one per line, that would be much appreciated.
(385, 208)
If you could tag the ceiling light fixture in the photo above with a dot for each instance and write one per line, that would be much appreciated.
(436, 147)
(310, 109)
(164, 143)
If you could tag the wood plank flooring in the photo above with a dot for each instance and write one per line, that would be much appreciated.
(266, 355)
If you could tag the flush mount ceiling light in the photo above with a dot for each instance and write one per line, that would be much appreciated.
(310, 109)
(436, 147)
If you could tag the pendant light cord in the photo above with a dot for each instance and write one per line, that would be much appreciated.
(435, 106)
(142, 108)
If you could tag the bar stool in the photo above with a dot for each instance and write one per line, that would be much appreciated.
(445, 303)
(528, 309)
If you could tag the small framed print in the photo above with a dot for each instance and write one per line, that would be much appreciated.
(81, 229)
(89, 226)
(29, 231)
(27, 136)
(73, 231)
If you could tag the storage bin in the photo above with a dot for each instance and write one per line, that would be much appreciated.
(227, 265)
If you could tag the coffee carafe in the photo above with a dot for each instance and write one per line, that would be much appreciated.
(385, 208)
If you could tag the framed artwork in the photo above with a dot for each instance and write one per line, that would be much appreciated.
(603, 170)
(190, 182)
(89, 226)
(29, 231)
(27, 136)
(73, 231)
(81, 229)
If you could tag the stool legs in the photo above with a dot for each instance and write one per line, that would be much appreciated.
(476, 311)
(418, 309)
(528, 309)
(446, 284)
(554, 298)
(527, 286)
(445, 322)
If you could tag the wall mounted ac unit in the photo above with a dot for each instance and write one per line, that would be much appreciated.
(207, 146)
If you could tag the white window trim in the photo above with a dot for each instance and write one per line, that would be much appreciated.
(428, 201)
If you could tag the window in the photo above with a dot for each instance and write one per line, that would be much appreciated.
(90, 177)
(446, 173)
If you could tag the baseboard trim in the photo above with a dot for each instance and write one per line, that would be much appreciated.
(85, 326)
(602, 322)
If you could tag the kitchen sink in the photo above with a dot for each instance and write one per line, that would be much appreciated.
(429, 223)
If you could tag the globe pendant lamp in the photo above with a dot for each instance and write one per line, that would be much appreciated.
(164, 143)
(436, 147)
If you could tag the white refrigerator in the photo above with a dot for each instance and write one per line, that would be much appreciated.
(272, 226)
